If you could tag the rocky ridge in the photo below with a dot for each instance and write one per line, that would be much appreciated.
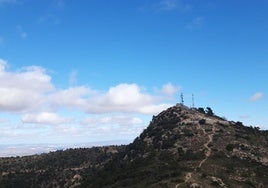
(192, 148)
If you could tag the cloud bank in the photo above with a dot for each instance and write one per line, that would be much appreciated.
(30, 93)
(33, 109)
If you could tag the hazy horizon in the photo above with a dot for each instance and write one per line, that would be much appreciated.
(21, 150)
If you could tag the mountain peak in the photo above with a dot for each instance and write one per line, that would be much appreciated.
(180, 122)
(207, 149)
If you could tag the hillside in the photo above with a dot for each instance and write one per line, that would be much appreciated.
(181, 147)
(55, 169)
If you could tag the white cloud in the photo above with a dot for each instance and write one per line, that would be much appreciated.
(127, 95)
(125, 98)
(21, 32)
(4, 120)
(23, 90)
(68, 130)
(73, 97)
(31, 90)
(110, 120)
(119, 98)
(113, 126)
(169, 89)
(153, 109)
(256, 96)
(47, 118)
(136, 120)
(28, 78)
(31, 93)
(3, 65)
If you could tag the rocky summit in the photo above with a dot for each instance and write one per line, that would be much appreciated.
(181, 147)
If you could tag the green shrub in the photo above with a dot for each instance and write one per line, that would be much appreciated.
(202, 121)
(230, 147)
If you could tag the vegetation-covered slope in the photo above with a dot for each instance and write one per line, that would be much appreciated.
(185, 147)
(55, 169)
(181, 147)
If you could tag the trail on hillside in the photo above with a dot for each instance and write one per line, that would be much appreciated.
(208, 152)
(186, 179)
(188, 176)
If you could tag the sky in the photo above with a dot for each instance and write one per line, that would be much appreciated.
(98, 70)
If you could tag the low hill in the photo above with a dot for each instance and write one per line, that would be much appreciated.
(182, 147)
(55, 169)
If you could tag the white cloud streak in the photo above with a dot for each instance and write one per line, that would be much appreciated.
(7, 1)
(110, 120)
(171, 5)
(256, 97)
(165, 5)
(46, 118)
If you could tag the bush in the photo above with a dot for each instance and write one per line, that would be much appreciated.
(239, 123)
(209, 111)
(202, 121)
(230, 147)
(201, 110)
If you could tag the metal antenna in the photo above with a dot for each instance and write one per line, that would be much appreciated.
(192, 100)
(182, 101)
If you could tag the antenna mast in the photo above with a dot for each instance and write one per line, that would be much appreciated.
(182, 101)
(192, 100)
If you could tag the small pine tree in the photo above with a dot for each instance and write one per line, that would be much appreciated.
(201, 110)
(209, 111)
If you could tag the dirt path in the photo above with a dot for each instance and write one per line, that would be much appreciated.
(188, 176)
(186, 179)
(208, 152)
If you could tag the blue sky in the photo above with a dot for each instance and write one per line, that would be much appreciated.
(89, 71)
